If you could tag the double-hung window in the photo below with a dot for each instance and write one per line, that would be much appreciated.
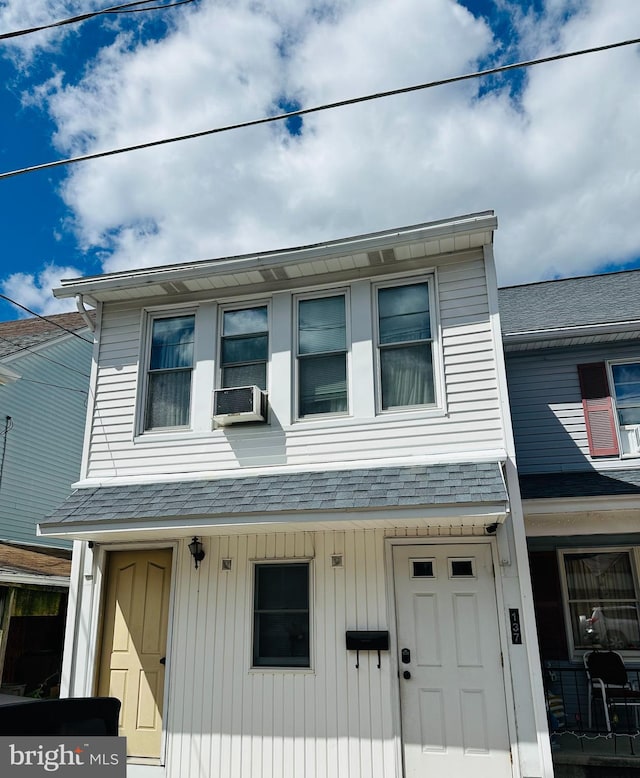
(244, 350)
(405, 346)
(168, 397)
(281, 615)
(322, 356)
(602, 598)
(626, 386)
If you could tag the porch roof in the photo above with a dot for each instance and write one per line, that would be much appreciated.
(276, 497)
(582, 483)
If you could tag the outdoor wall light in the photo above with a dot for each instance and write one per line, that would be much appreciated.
(196, 550)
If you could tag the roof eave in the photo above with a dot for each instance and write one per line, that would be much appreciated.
(92, 286)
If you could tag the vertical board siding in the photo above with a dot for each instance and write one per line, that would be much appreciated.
(547, 411)
(226, 719)
(469, 420)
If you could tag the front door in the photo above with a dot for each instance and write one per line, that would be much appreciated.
(134, 640)
(452, 696)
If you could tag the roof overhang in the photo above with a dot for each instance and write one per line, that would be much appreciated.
(365, 251)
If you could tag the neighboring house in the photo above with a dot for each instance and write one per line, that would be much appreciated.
(572, 349)
(44, 383)
(299, 549)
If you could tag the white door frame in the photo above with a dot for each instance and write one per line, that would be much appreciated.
(502, 628)
(97, 608)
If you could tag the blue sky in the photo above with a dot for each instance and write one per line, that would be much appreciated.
(554, 150)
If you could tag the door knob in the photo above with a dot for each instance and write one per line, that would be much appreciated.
(163, 660)
(406, 675)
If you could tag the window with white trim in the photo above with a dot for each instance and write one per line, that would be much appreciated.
(625, 378)
(602, 603)
(322, 355)
(169, 372)
(244, 347)
(281, 615)
(405, 346)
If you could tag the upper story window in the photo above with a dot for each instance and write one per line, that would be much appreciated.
(322, 356)
(169, 375)
(626, 385)
(405, 346)
(244, 349)
(601, 599)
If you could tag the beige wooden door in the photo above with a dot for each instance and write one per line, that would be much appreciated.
(134, 640)
(454, 720)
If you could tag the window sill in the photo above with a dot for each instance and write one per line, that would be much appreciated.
(282, 670)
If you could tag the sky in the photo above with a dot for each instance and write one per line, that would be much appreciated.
(554, 149)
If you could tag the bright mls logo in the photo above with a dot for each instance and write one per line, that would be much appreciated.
(63, 756)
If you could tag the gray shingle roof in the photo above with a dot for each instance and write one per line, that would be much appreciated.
(570, 302)
(371, 488)
(588, 483)
(22, 334)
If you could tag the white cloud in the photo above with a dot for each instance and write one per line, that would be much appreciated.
(34, 291)
(561, 168)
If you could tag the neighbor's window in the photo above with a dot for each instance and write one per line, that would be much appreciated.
(322, 355)
(602, 599)
(169, 376)
(626, 384)
(405, 346)
(244, 349)
(281, 615)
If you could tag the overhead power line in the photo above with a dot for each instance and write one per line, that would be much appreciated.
(115, 9)
(317, 108)
(44, 318)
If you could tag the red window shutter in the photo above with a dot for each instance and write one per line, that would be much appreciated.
(598, 410)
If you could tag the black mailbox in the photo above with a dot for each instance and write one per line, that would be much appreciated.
(367, 640)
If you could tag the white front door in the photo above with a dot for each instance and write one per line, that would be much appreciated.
(454, 721)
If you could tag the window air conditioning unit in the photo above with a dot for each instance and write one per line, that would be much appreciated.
(241, 403)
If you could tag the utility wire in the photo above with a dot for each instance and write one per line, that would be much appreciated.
(318, 108)
(42, 356)
(55, 386)
(115, 9)
(44, 318)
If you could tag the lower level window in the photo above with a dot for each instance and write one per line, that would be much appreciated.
(602, 599)
(281, 615)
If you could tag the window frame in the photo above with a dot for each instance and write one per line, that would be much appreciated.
(434, 341)
(633, 553)
(267, 668)
(319, 295)
(149, 318)
(610, 364)
(240, 306)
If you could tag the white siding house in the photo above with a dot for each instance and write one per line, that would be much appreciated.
(325, 574)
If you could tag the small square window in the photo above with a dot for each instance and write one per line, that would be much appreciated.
(281, 615)
(422, 568)
(461, 568)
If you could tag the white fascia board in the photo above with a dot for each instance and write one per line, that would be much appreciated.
(93, 285)
(602, 503)
(185, 526)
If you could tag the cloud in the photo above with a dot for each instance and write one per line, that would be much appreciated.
(34, 291)
(557, 160)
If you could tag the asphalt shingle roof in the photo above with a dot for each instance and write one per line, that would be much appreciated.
(587, 483)
(370, 488)
(23, 334)
(570, 302)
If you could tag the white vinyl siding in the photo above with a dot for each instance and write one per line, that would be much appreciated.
(469, 420)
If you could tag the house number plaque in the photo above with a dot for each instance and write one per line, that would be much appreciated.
(514, 622)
